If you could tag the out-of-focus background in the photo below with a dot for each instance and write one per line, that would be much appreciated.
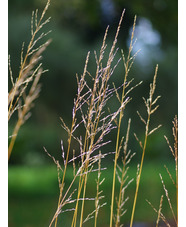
(78, 26)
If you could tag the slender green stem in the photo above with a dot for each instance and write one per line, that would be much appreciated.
(76, 208)
(126, 65)
(70, 136)
(138, 182)
(82, 207)
(149, 104)
(119, 201)
(114, 174)
(97, 193)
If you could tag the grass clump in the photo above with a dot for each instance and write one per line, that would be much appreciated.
(91, 115)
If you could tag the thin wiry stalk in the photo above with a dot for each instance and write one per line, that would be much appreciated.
(81, 85)
(150, 110)
(65, 197)
(96, 81)
(94, 213)
(97, 193)
(126, 65)
(122, 180)
(100, 103)
(78, 195)
(84, 191)
(29, 74)
(91, 147)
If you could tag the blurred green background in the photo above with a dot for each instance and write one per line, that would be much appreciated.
(77, 27)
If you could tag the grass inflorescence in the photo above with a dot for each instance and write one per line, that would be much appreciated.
(26, 88)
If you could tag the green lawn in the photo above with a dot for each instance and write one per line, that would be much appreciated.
(33, 195)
